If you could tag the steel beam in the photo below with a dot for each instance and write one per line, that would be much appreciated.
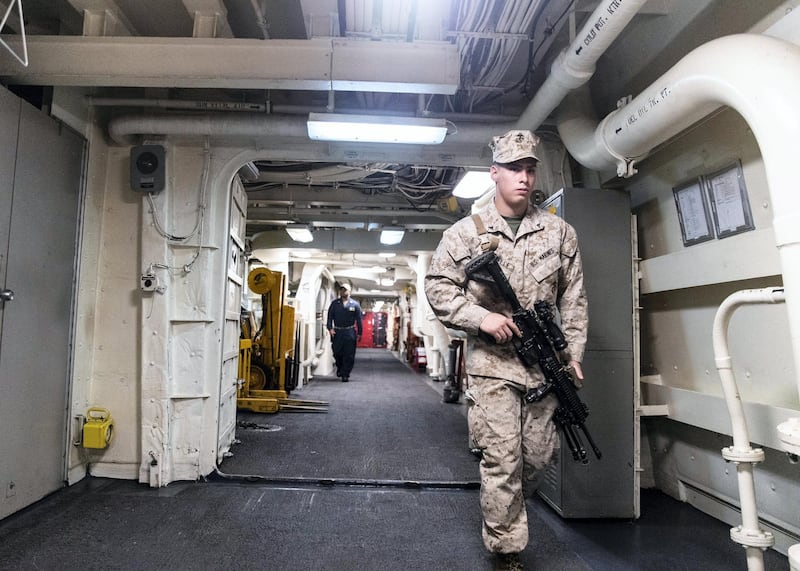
(323, 64)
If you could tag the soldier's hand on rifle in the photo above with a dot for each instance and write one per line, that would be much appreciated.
(577, 372)
(500, 327)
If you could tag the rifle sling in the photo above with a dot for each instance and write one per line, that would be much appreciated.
(488, 242)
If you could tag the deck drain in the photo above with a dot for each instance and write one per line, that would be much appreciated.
(259, 427)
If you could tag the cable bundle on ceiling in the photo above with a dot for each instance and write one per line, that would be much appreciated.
(485, 61)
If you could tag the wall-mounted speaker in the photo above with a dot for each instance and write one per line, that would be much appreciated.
(147, 168)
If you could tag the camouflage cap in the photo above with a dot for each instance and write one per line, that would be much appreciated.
(513, 146)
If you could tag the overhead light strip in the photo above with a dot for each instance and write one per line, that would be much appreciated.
(376, 129)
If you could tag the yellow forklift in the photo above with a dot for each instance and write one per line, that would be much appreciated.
(267, 364)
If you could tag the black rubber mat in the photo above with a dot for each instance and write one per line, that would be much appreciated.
(114, 524)
(117, 524)
(387, 423)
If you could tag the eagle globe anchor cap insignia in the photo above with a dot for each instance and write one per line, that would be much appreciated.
(513, 146)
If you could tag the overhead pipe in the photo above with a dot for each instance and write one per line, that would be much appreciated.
(759, 77)
(573, 68)
(749, 534)
(128, 128)
(124, 128)
(194, 104)
(575, 65)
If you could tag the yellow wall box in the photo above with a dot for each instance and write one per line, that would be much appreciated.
(98, 428)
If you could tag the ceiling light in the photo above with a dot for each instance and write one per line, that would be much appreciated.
(391, 235)
(249, 172)
(376, 129)
(473, 184)
(299, 232)
(387, 254)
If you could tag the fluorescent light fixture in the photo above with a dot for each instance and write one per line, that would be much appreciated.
(299, 232)
(391, 235)
(474, 184)
(387, 254)
(376, 129)
(387, 282)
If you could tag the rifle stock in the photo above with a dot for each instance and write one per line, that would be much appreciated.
(541, 338)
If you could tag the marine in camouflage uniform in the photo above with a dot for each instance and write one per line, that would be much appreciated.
(542, 262)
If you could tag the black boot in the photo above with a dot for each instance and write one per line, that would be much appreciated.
(507, 562)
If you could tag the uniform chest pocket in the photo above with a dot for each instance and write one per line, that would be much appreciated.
(547, 267)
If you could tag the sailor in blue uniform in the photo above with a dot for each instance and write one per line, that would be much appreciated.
(344, 324)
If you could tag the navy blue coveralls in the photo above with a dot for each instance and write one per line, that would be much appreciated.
(345, 320)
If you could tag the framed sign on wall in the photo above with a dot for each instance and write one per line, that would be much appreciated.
(693, 212)
(729, 203)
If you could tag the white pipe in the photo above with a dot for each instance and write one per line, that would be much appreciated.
(749, 534)
(757, 76)
(576, 64)
(124, 128)
(121, 128)
(200, 105)
(577, 126)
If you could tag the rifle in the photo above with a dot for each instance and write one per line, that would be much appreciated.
(541, 338)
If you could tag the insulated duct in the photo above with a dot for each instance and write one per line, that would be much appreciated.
(757, 76)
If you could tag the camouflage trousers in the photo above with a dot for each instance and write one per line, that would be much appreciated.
(517, 441)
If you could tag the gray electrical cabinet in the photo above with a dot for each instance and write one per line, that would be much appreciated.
(602, 488)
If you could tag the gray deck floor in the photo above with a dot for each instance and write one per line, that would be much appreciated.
(383, 481)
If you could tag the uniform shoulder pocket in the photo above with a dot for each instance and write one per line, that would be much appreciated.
(569, 247)
(458, 250)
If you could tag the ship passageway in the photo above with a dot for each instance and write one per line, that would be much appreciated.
(384, 480)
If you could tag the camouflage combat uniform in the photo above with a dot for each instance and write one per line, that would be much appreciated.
(542, 263)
